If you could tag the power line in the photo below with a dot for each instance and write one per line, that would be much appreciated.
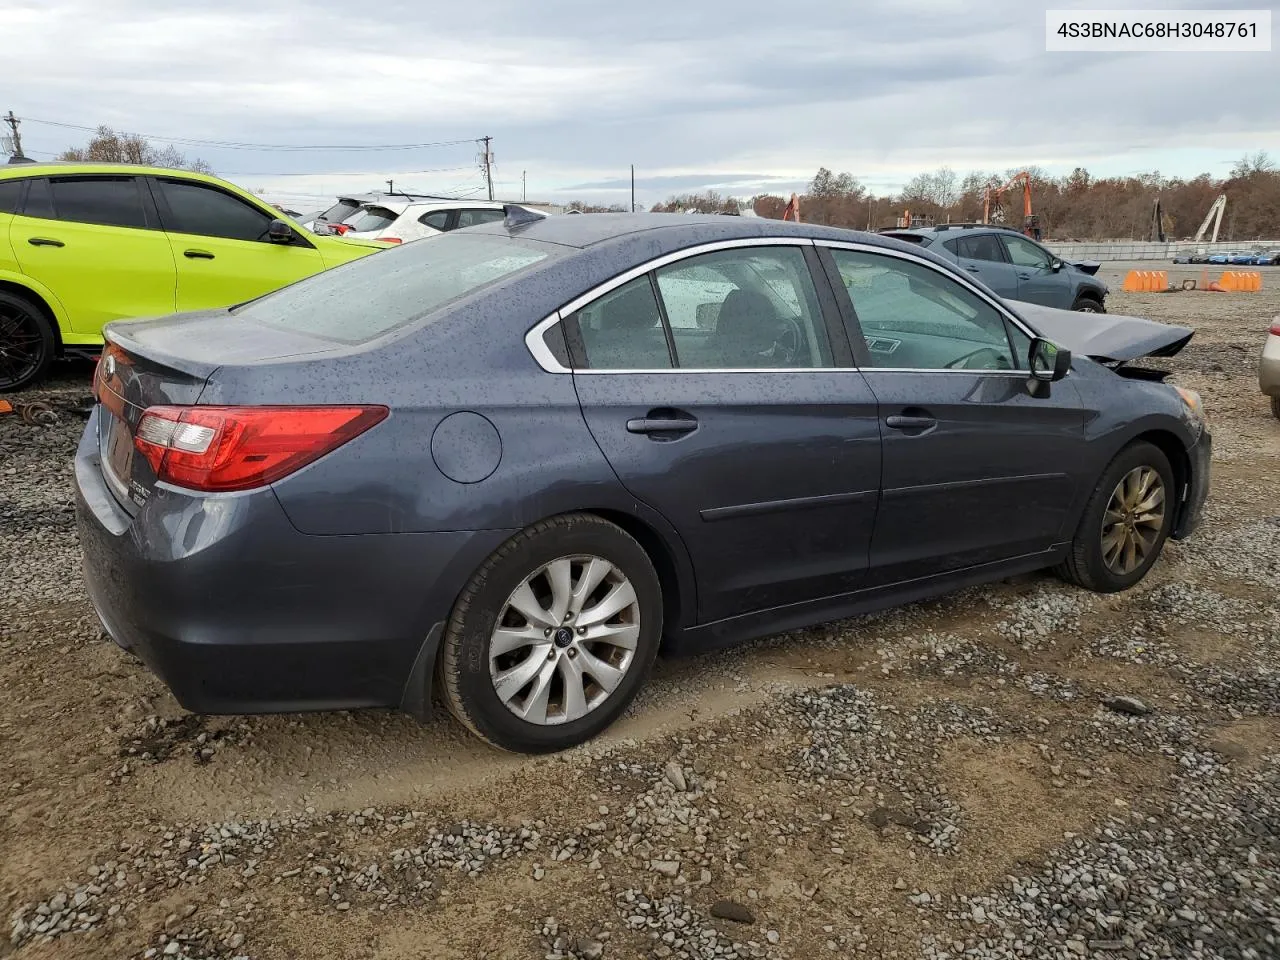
(244, 145)
(328, 173)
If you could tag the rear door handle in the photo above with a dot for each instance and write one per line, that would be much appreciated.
(910, 423)
(655, 425)
(45, 242)
(1024, 276)
(973, 269)
(197, 254)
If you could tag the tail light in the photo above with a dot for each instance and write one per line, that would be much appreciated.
(339, 228)
(390, 240)
(111, 358)
(218, 449)
(1275, 327)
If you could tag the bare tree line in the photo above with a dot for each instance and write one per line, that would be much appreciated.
(1078, 206)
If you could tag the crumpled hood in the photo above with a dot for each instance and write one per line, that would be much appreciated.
(1105, 337)
(1086, 266)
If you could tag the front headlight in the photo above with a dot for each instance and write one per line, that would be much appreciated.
(1191, 401)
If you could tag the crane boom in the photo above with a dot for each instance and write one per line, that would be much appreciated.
(1030, 222)
(1216, 210)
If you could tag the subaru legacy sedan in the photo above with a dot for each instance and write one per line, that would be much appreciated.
(507, 467)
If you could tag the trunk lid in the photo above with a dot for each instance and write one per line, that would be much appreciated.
(1106, 337)
(169, 361)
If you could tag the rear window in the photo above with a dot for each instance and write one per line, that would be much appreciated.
(340, 211)
(382, 292)
(372, 218)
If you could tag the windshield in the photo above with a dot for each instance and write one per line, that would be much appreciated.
(390, 289)
(372, 218)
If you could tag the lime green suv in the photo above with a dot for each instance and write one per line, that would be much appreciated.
(82, 244)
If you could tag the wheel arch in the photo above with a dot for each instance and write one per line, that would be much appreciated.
(42, 299)
(1173, 447)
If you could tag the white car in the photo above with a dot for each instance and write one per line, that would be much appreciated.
(400, 221)
(347, 205)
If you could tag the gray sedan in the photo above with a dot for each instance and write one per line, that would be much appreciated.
(510, 465)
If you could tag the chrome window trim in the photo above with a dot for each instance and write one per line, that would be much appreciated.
(546, 359)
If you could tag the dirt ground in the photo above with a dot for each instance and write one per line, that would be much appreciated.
(921, 783)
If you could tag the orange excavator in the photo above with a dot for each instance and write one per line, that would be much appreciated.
(1030, 222)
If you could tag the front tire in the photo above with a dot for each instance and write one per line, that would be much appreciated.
(1125, 523)
(553, 636)
(1087, 304)
(27, 342)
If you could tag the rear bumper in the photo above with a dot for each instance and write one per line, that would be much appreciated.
(238, 612)
(1201, 456)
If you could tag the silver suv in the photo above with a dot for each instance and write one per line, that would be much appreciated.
(1013, 265)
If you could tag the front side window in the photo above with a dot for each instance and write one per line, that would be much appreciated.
(339, 212)
(208, 212)
(623, 330)
(745, 308)
(914, 317)
(470, 218)
(110, 201)
(1024, 253)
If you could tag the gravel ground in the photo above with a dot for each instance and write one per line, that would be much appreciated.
(1021, 770)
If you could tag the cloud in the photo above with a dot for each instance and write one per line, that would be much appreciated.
(740, 96)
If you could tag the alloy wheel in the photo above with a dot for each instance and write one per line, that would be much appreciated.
(21, 345)
(564, 640)
(1133, 520)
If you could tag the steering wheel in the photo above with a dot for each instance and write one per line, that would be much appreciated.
(790, 344)
(962, 363)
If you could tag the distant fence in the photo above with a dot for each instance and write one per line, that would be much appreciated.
(1135, 250)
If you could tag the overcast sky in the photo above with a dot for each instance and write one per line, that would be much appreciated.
(741, 96)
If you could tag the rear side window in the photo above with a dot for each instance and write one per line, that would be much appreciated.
(384, 291)
(438, 219)
(623, 329)
(469, 218)
(982, 247)
(208, 212)
(39, 203)
(111, 201)
(9, 192)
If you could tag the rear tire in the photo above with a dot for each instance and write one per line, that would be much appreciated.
(536, 658)
(27, 342)
(1120, 513)
(1088, 304)
(1275, 407)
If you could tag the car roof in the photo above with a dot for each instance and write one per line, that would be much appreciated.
(672, 228)
(54, 167)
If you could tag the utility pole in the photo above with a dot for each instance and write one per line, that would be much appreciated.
(633, 188)
(13, 122)
(391, 186)
(488, 164)
(524, 186)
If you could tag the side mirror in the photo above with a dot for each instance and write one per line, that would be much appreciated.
(280, 232)
(1056, 265)
(1048, 361)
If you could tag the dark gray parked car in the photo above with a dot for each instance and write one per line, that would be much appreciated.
(1014, 266)
(514, 461)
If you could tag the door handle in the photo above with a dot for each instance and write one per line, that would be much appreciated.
(197, 254)
(45, 242)
(1024, 276)
(910, 423)
(973, 269)
(655, 424)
